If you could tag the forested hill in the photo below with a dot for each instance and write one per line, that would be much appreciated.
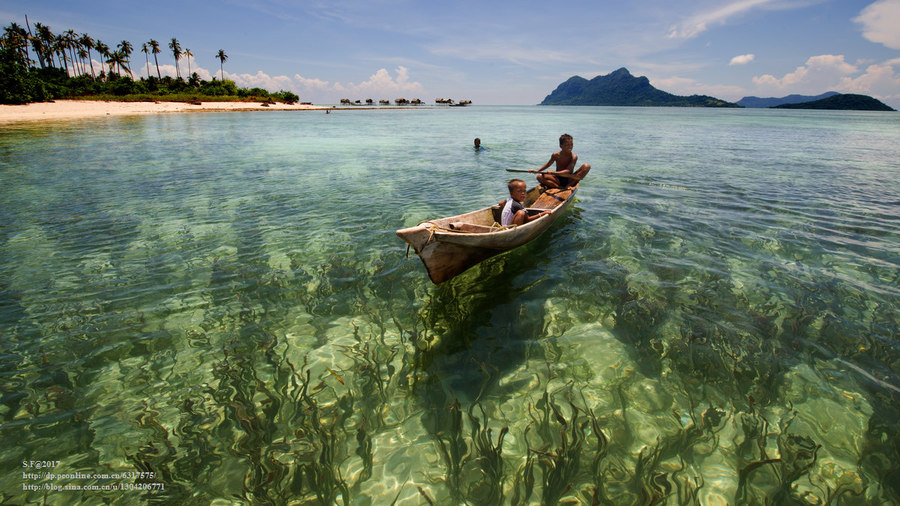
(622, 88)
(847, 101)
(774, 101)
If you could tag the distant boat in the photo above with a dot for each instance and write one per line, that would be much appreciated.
(449, 246)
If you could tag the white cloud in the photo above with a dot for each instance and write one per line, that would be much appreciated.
(822, 71)
(742, 59)
(699, 23)
(261, 80)
(686, 86)
(140, 70)
(830, 72)
(830, 61)
(380, 85)
(881, 23)
(879, 80)
(315, 85)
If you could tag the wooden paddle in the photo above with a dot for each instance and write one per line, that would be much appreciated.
(552, 173)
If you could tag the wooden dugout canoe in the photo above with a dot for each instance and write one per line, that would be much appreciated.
(449, 246)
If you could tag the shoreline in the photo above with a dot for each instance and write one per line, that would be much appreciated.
(62, 110)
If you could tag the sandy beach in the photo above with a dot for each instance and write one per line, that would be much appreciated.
(79, 109)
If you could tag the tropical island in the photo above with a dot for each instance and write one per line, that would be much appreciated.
(620, 88)
(38, 66)
(841, 102)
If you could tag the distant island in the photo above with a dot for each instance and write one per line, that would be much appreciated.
(756, 102)
(843, 102)
(623, 89)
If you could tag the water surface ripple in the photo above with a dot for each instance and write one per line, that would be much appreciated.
(201, 308)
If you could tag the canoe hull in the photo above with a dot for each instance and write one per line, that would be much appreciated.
(450, 246)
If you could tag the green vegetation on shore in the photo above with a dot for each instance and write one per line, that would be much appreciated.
(40, 66)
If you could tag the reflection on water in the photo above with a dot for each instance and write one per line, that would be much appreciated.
(711, 323)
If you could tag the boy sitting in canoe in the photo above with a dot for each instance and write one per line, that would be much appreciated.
(514, 212)
(565, 161)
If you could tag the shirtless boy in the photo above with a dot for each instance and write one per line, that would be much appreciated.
(565, 161)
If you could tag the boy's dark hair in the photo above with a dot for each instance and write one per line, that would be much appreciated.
(563, 138)
(512, 183)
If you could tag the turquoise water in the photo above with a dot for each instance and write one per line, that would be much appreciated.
(201, 308)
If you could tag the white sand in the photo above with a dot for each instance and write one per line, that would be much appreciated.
(78, 109)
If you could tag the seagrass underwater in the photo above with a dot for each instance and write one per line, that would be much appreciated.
(217, 304)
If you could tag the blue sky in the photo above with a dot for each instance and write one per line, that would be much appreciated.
(505, 52)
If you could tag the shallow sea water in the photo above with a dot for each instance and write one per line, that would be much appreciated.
(218, 301)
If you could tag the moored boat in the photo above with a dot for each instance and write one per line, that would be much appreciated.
(449, 246)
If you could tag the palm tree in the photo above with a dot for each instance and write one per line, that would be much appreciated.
(82, 55)
(188, 55)
(87, 43)
(47, 39)
(154, 48)
(37, 43)
(126, 49)
(222, 59)
(176, 52)
(32, 40)
(59, 47)
(120, 60)
(16, 38)
(103, 49)
(146, 51)
(70, 42)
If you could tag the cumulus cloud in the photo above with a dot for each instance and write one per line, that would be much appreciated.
(830, 72)
(139, 68)
(742, 59)
(880, 22)
(313, 85)
(879, 80)
(380, 85)
(261, 80)
(822, 71)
